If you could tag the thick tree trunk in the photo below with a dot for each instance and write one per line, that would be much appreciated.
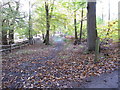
(91, 26)
(81, 25)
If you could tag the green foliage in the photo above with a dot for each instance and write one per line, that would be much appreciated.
(61, 20)
(58, 20)
(99, 21)
(74, 5)
(14, 19)
(113, 32)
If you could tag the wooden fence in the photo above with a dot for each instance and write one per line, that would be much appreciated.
(4, 48)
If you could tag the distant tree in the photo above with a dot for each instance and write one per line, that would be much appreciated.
(10, 18)
(30, 25)
(108, 19)
(81, 26)
(49, 11)
(11, 30)
(74, 7)
(4, 32)
(46, 40)
(48, 15)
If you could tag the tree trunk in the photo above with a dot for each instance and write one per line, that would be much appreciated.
(44, 39)
(4, 37)
(47, 25)
(4, 32)
(47, 38)
(11, 36)
(102, 14)
(11, 31)
(91, 26)
(43, 36)
(75, 27)
(81, 25)
(30, 26)
(108, 19)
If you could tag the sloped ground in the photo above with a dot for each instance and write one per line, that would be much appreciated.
(58, 66)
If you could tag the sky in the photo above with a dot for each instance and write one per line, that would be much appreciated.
(100, 4)
(113, 9)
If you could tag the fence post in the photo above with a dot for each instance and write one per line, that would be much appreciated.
(97, 47)
(10, 48)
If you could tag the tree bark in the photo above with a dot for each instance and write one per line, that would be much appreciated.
(75, 27)
(4, 33)
(30, 26)
(48, 17)
(11, 36)
(46, 41)
(43, 36)
(91, 26)
(4, 37)
(81, 25)
(108, 19)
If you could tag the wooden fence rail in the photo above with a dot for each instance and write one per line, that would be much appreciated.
(4, 48)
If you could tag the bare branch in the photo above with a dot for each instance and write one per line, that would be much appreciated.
(5, 4)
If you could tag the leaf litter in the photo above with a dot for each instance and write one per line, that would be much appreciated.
(68, 66)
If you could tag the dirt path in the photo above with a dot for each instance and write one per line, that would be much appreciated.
(51, 70)
(28, 69)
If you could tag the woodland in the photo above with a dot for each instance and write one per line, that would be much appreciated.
(55, 43)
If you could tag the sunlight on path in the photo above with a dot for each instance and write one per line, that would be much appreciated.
(58, 39)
